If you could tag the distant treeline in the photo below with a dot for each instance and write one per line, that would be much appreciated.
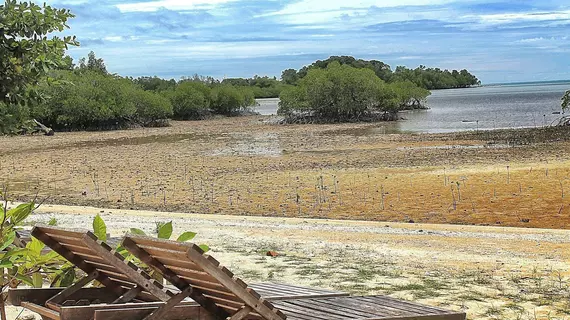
(266, 87)
(423, 77)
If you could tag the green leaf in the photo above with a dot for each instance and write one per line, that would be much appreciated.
(8, 240)
(35, 246)
(165, 231)
(52, 222)
(138, 231)
(186, 236)
(25, 279)
(38, 280)
(20, 213)
(5, 264)
(99, 228)
(204, 247)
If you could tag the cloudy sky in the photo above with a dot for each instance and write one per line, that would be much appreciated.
(498, 40)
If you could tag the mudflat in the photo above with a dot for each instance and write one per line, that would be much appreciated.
(247, 166)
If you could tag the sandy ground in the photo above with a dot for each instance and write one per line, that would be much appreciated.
(490, 272)
(244, 166)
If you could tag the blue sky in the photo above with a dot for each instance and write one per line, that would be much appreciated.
(499, 41)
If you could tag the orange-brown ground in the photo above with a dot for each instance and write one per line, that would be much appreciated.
(246, 167)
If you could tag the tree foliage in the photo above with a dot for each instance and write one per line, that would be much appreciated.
(229, 100)
(93, 100)
(92, 64)
(339, 93)
(27, 48)
(409, 95)
(262, 87)
(190, 100)
(427, 78)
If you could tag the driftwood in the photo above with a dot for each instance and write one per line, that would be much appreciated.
(34, 126)
(40, 127)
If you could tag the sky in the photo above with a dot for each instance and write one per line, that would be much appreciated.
(497, 40)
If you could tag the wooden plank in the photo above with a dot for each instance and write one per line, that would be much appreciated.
(242, 313)
(63, 295)
(115, 259)
(211, 266)
(177, 313)
(43, 311)
(129, 295)
(76, 260)
(142, 241)
(161, 312)
(67, 232)
(33, 295)
(172, 277)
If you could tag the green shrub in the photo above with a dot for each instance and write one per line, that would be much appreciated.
(150, 107)
(229, 100)
(12, 117)
(409, 95)
(338, 93)
(92, 100)
(190, 100)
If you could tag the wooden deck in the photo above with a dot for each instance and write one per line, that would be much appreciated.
(370, 308)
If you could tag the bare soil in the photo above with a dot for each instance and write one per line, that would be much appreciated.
(245, 166)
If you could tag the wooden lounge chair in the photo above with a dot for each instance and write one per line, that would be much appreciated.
(122, 281)
(125, 285)
(223, 296)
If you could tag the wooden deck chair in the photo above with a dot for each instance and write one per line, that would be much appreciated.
(122, 281)
(225, 296)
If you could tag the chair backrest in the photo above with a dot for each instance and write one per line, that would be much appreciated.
(86, 252)
(214, 286)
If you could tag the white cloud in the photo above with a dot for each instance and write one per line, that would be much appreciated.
(177, 5)
(308, 6)
(113, 38)
(504, 18)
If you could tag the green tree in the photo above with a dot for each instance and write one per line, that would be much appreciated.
(27, 48)
(229, 100)
(92, 100)
(93, 64)
(289, 76)
(409, 95)
(190, 100)
(339, 93)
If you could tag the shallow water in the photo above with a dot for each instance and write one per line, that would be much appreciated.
(488, 107)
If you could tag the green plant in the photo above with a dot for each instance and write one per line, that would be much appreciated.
(25, 264)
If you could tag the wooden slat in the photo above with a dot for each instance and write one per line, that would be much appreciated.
(160, 243)
(70, 233)
(172, 277)
(138, 276)
(43, 311)
(71, 257)
(212, 266)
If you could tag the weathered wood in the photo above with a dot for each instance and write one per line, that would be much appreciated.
(128, 296)
(177, 313)
(39, 233)
(161, 312)
(212, 267)
(43, 311)
(138, 276)
(173, 278)
(63, 295)
(242, 313)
